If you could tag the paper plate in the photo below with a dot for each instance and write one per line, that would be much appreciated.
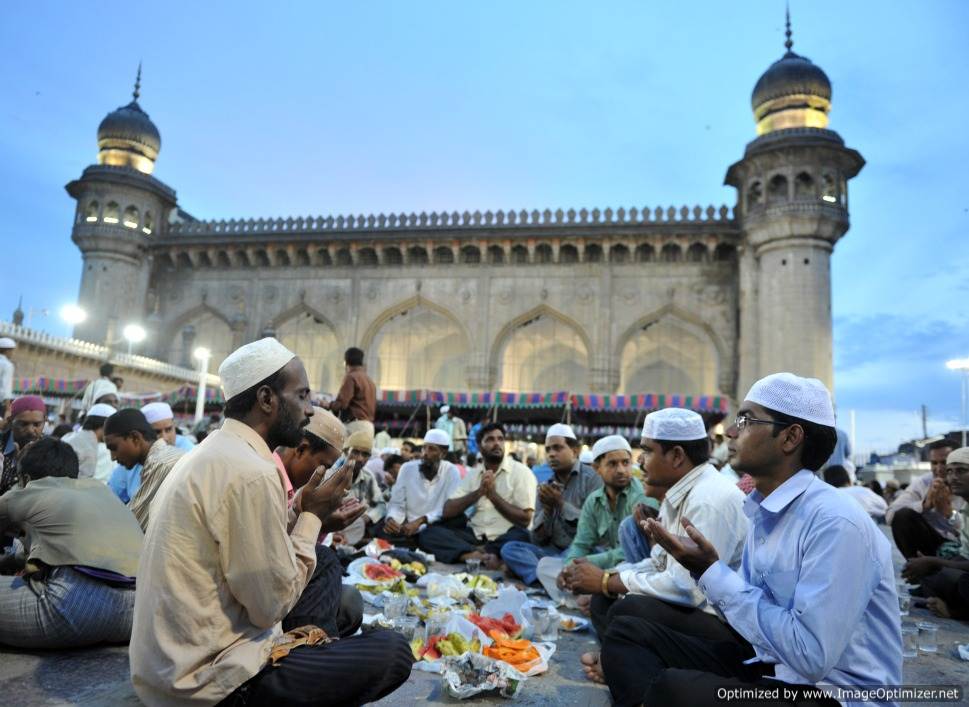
(573, 623)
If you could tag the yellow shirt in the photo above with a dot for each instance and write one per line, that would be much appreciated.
(218, 572)
(514, 482)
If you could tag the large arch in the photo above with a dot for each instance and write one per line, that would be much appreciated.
(310, 335)
(200, 326)
(669, 351)
(542, 350)
(418, 344)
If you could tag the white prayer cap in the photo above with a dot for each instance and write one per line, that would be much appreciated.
(101, 410)
(612, 443)
(958, 456)
(560, 430)
(438, 437)
(327, 426)
(586, 456)
(156, 412)
(804, 398)
(674, 425)
(389, 451)
(101, 387)
(249, 364)
(445, 408)
(7, 343)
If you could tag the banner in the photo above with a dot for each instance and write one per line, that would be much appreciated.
(579, 401)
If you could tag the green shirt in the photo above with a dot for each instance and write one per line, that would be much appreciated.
(599, 525)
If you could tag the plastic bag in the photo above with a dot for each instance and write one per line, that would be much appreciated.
(471, 674)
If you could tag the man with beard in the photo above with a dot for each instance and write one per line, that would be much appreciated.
(502, 492)
(221, 577)
(418, 496)
(559, 505)
(26, 424)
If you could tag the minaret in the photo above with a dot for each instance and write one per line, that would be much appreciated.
(792, 204)
(120, 208)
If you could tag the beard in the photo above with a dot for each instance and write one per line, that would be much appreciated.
(287, 431)
(494, 456)
(429, 469)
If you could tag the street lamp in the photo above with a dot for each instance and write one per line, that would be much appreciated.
(203, 355)
(134, 334)
(962, 364)
(72, 314)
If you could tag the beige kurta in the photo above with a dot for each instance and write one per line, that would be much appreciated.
(218, 572)
(161, 459)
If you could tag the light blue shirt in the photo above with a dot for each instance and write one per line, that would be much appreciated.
(125, 482)
(815, 593)
(184, 443)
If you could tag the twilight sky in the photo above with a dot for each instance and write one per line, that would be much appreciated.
(317, 108)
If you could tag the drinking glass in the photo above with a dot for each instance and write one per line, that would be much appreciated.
(434, 626)
(474, 566)
(904, 603)
(928, 633)
(546, 623)
(407, 625)
(396, 606)
(910, 641)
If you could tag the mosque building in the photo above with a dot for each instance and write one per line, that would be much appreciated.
(693, 301)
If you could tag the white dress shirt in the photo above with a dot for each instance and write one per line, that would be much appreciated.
(873, 504)
(414, 495)
(514, 482)
(715, 506)
(6, 378)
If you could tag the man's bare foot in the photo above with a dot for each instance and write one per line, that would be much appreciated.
(584, 602)
(491, 562)
(593, 668)
(938, 607)
(473, 555)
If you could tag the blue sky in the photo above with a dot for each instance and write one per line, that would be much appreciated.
(317, 108)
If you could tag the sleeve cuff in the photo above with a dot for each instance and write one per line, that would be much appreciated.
(307, 527)
(719, 583)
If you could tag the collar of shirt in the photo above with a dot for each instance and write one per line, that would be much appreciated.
(249, 436)
(8, 447)
(781, 497)
(284, 478)
(602, 499)
(681, 489)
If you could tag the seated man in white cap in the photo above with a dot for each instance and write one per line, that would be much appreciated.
(420, 492)
(161, 417)
(206, 624)
(676, 452)
(502, 494)
(813, 602)
(559, 505)
(363, 487)
(87, 443)
(133, 441)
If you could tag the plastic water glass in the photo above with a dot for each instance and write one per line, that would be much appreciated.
(928, 637)
(434, 626)
(407, 625)
(474, 566)
(395, 607)
(904, 603)
(546, 624)
(910, 641)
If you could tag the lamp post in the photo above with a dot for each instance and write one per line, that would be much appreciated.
(203, 355)
(962, 364)
(72, 314)
(133, 334)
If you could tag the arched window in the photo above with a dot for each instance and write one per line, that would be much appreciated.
(696, 253)
(91, 212)
(671, 253)
(725, 252)
(519, 254)
(470, 254)
(392, 256)
(343, 257)
(645, 253)
(669, 356)
(416, 256)
(420, 348)
(130, 219)
(543, 253)
(149, 224)
(777, 189)
(543, 354)
(112, 213)
(203, 329)
(568, 254)
(443, 255)
(367, 256)
(496, 256)
(619, 254)
(755, 195)
(593, 253)
(804, 186)
(315, 342)
(829, 189)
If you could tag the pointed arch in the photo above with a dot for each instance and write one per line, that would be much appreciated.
(309, 334)
(540, 350)
(202, 325)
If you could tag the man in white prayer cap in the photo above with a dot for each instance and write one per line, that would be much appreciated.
(162, 419)
(243, 580)
(559, 505)
(88, 442)
(813, 601)
(101, 390)
(676, 453)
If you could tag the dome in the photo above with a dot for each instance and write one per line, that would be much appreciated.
(128, 138)
(793, 93)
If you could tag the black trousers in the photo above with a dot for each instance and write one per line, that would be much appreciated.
(350, 671)
(451, 538)
(913, 534)
(685, 618)
(951, 586)
(409, 541)
(647, 661)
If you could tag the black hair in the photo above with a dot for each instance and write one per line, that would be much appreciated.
(129, 420)
(49, 457)
(485, 429)
(696, 450)
(408, 443)
(239, 405)
(93, 422)
(819, 440)
(392, 460)
(837, 476)
(573, 443)
(353, 356)
(61, 430)
(942, 444)
(315, 443)
(876, 487)
(106, 370)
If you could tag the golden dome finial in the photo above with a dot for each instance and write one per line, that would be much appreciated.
(788, 43)
(137, 91)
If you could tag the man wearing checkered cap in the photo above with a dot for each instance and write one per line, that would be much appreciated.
(813, 603)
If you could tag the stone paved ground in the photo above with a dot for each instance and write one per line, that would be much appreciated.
(99, 676)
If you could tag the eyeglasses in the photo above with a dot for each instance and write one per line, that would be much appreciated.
(743, 420)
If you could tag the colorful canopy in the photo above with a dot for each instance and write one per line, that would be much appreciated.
(581, 401)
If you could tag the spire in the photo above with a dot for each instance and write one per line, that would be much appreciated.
(787, 13)
(137, 91)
